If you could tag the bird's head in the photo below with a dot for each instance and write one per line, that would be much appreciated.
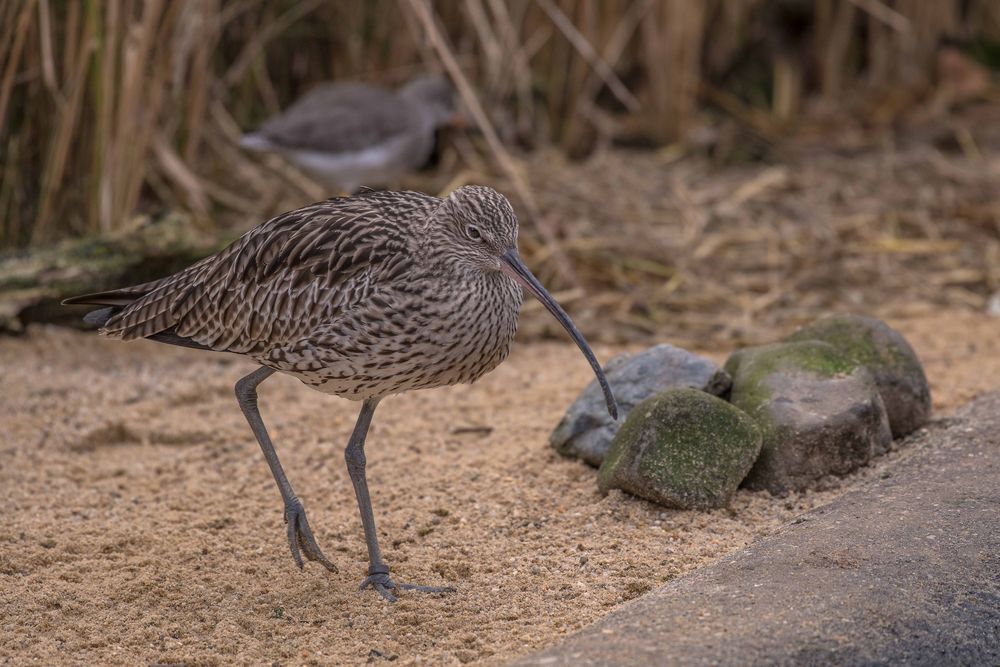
(435, 95)
(480, 227)
(480, 232)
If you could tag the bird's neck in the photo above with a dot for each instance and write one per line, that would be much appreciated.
(469, 277)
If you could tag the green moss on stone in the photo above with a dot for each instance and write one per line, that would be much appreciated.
(866, 340)
(682, 448)
(893, 364)
(618, 449)
(751, 366)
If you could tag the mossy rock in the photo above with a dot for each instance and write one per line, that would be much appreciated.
(893, 364)
(586, 430)
(819, 412)
(682, 448)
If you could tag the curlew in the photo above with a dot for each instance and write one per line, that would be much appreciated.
(361, 297)
(354, 134)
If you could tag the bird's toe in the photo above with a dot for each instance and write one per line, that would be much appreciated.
(379, 580)
(300, 537)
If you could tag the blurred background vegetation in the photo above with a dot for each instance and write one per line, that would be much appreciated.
(116, 109)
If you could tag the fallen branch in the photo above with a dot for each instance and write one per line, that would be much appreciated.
(33, 283)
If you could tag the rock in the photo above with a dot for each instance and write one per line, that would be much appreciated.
(682, 448)
(901, 572)
(819, 412)
(898, 372)
(586, 431)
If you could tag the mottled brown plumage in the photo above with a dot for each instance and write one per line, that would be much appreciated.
(361, 297)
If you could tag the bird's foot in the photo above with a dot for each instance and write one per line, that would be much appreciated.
(378, 578)
(300, 537)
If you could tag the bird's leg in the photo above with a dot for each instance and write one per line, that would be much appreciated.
(300, 536)
(378, 571)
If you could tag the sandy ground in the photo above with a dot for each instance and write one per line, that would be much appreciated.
(140, 524)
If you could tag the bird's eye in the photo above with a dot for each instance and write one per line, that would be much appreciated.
(473, 233)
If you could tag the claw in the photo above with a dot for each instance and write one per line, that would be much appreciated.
(300, 537)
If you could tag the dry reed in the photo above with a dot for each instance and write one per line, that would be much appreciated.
(113, 107)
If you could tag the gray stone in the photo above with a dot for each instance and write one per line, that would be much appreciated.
(586, 431)
(819, 413)
(682, 448)
(901, 571)
(898, 372)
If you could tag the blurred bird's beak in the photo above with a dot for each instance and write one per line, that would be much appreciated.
(513, 266)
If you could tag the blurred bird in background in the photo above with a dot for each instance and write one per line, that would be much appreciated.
(353, 134)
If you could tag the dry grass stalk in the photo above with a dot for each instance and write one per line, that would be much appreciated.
(836, 20)
(55, 166)
(107, 106)
(518, 56)
(13, 57)
(586, 50)
(734, 257)
(887, 15)
(672, 36)
(586, 102)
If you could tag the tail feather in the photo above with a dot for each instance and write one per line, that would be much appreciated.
(114, 301)
(116, 297)
(171, 338)
(99, 318)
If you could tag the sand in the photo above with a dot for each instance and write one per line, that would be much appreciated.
(140, 523)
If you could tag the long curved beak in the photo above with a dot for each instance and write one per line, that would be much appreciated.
(513, 266)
